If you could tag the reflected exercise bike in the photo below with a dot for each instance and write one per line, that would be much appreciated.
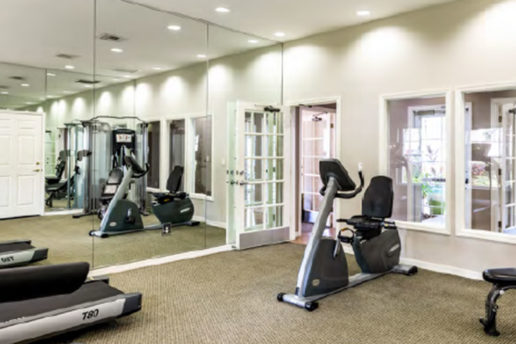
(173, 208)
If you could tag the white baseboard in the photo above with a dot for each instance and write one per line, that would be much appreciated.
(443, 269)
(158, 261)
(63, 212)
(210, 222)
(440, 268)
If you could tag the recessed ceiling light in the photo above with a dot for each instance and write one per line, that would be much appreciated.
(201, 56)
(51, 97)
(117, 50)
(174, 27)
(363, 13)
(29, 103)
(157, 68)
(67, 92)
(127, 76)
(25, 85)
(50, 74)
(279, 34)
(253, 41)
(116, 80)
(4, 92)
(69, 67)
(88, 86)
(222, 10)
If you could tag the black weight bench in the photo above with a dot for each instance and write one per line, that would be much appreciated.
(502, 280)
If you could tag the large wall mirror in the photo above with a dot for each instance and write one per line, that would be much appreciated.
(46, 68)
(244, 82)
(139, 106)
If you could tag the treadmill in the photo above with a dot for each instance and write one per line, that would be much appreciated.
(20, 252)
(44, 301)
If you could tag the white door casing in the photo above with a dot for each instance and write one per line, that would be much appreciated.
(21, 164)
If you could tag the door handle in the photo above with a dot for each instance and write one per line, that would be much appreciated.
(37, 170)
(243, 183)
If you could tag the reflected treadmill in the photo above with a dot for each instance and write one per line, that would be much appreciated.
(44, 301)
(20, 252)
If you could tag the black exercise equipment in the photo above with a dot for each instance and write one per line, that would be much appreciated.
(375, 241)
(20, 252)
(45, 301)
(502, 280)
(122, 216)
(59, 189)
(60, 167)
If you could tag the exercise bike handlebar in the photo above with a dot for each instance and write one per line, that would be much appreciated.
(138, 171)
(347, 195)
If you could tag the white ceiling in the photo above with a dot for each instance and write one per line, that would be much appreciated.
(297, 18)
(32, 32)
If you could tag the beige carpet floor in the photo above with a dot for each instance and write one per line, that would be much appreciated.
(231, 298)
(68, 240)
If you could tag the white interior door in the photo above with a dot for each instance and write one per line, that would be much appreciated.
(256, 176)
(21, 164)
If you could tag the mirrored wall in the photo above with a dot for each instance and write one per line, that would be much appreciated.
(138, 105)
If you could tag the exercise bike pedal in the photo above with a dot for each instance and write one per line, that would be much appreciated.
(345, 239)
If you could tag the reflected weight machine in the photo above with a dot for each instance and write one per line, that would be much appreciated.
(108, 138)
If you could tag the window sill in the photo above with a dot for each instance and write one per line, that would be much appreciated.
(487, 236)
(421, 227)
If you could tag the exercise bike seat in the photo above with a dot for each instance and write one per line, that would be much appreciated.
(173, 186)
(501, 277)
(165, 197)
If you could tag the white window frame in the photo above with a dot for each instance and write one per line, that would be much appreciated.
(188, 168)
(460, 165)
(148, 120)
(383, 155)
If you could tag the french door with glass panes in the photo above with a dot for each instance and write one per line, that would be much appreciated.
(504, 217)
(257, 211)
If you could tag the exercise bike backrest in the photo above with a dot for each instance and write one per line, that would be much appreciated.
(174, 180)
(346, 187)
(378, 198)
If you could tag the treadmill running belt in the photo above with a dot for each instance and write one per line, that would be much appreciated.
(89, 292)
(15, 246)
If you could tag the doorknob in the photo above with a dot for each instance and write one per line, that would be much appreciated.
(37, 162)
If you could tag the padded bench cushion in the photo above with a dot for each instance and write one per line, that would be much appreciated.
(504, 276)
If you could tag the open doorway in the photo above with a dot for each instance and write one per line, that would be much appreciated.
(315, 132)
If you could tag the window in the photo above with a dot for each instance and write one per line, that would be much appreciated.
(190, 147)
(177, 146)
(202, 168)
(153, 154)
(490, 161)
(417, 159)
